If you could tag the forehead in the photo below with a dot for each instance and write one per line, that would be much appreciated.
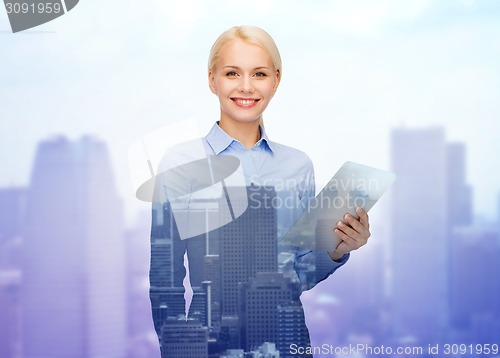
(243, 54)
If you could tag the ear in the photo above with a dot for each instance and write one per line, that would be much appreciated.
(277, 82)
(211, 82)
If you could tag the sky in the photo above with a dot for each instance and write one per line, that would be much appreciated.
(352, 71)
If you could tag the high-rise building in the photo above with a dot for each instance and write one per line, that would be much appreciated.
(459, 194)
(163, 234)
(172, 298)
(291, 328)
(74, 271)
(459, 215)
(10, 314)
(259, 302)
(212, 274)
(183, 338)
(419, 233)
(247, 248)
(12, 208)
(138, 266)
(475, 287)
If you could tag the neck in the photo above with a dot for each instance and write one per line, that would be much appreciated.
(246, 133)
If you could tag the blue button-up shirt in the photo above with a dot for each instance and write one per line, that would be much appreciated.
(290, 172)
(290, 175)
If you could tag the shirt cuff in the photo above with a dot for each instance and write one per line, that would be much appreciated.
(343, 259)
(325, 266)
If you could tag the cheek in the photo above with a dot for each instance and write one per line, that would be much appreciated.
(269, 89)
(222, 87)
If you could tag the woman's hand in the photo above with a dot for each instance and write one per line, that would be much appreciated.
(352, 233)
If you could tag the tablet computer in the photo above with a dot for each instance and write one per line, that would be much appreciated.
(354, 185)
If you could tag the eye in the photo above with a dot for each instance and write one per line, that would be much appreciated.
(260, 74)
(231, 74)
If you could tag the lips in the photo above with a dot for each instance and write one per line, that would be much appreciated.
(245, 102)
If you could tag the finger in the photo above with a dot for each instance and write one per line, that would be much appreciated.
(353, 223)
(346, 238)
(347, 244)
(360, 233)
(346, 229)
(363, 217)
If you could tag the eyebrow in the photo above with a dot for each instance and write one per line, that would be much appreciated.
(256, 68)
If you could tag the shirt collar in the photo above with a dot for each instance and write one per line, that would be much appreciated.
(220, 140)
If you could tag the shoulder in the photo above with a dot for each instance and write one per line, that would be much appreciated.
(291, 156)
(183, 153)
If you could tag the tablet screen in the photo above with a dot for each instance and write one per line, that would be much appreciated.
(354, 185)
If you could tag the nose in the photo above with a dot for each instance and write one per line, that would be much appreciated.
(246, 85)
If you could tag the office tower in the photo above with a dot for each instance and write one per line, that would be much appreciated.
(230, 332)
(138, 266)
(204, 244)
(259, 302)
(291, 328)
(10, 314)
(12, 208)
(161, 272)
(173, 299)
(459, 210)
(459, 194)
(247, 247)
(212, 274)
(475, 286)
(183, 338)
(419, 233)
(163, 234)
(165, 266)
(73, 295)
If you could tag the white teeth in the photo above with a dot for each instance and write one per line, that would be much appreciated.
(245, 101)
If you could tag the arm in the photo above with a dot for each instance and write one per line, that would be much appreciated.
(167, 255)
(353, 234)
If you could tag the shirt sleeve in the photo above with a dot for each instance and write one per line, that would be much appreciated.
(164, 233)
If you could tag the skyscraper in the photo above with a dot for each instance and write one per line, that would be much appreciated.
(259, 301)
(183, 338)
(459, 194)
(12, 207)
(247, 248)
(212, 274)
(10, 314)
(475, 288)
(73, 275)
(291, 328)
(419, 233)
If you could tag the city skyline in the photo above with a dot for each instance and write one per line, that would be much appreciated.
(351, 287)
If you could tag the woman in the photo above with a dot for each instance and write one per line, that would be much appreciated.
(256, 279)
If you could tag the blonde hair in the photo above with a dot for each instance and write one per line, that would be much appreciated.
(250, 34)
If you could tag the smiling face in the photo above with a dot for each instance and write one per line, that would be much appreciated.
(245, 80)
